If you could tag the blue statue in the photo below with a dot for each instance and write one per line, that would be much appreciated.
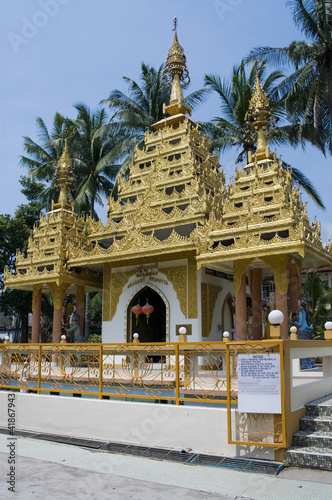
(304, 333)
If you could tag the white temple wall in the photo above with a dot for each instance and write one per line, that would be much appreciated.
(226, 288)
(116, 330)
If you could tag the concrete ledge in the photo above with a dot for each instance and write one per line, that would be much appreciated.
(203, 430)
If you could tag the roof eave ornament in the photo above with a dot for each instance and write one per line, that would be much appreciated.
(176, 72)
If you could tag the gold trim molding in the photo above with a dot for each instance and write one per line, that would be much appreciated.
(178, 277)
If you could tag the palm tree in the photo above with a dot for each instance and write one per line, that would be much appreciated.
(231, 129)
(308, 90)
(43, 158)
(98, 146)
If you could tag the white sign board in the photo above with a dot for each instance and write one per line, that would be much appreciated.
(259, 385)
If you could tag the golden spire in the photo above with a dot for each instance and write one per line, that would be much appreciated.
(63, 175)
(176, 72)
(259, 116)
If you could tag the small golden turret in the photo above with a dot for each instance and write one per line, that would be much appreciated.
(63, 177)
(176, 72)
(259, 116)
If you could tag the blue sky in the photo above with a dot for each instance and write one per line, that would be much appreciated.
(55, 53)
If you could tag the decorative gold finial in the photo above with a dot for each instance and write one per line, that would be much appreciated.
(259, 117)
(64, 176)
(176, 72)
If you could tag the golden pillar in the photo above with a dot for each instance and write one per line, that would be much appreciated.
(280, 265)
(281, 304)
(58, 296)
(294, 288)
(241, 311)
(256, 299)
(80, 307)
(57, 322)
(36, 309)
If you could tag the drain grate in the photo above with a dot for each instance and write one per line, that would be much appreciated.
(86, 443)
(243, 464)
(249, 465)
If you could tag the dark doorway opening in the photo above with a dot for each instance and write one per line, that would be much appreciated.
(152, 329)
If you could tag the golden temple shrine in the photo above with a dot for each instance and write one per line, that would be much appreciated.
(178, 238)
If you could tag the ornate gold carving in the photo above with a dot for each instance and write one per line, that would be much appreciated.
(192, 288)
(58, 294)
(209, 295)
(240, 267)
(178, 277)
(118, 281)
(107, 292)
(280, 265)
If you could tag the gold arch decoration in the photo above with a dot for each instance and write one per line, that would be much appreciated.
(178, 277)
(209, 295)
(192, 287)
(118, 281)
(280, 265)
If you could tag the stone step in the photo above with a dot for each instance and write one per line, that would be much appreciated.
(323, 424)
(316, 439)
(320, 407)
(311, 456)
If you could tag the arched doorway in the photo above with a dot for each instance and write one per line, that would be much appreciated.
(155, 329)
(228, 311)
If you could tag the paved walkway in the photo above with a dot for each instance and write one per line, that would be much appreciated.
(59, 472)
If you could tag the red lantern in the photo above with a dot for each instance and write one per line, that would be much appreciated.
(137, 310)
(147, 309)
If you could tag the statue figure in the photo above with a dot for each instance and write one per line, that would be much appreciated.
(74, 330)
(304, 333)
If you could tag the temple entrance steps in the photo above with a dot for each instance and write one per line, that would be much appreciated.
(312, 444)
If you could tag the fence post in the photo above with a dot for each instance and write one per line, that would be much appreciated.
(135, 363)
(186, 354)
(100, 371)
(39, 368)
(293, 333)
(177, 374)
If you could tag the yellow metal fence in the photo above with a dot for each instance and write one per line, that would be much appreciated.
(180, 372)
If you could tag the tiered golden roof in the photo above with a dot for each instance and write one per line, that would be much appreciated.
(48, 247)
(263, 216)
(174, 184)
(175, 204)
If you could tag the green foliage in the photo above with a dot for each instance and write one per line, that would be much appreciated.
(95, 315)
(98, 146)
(94, 338)
(14, 234)
(320, 302)
(230, 129)
(308, 90)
